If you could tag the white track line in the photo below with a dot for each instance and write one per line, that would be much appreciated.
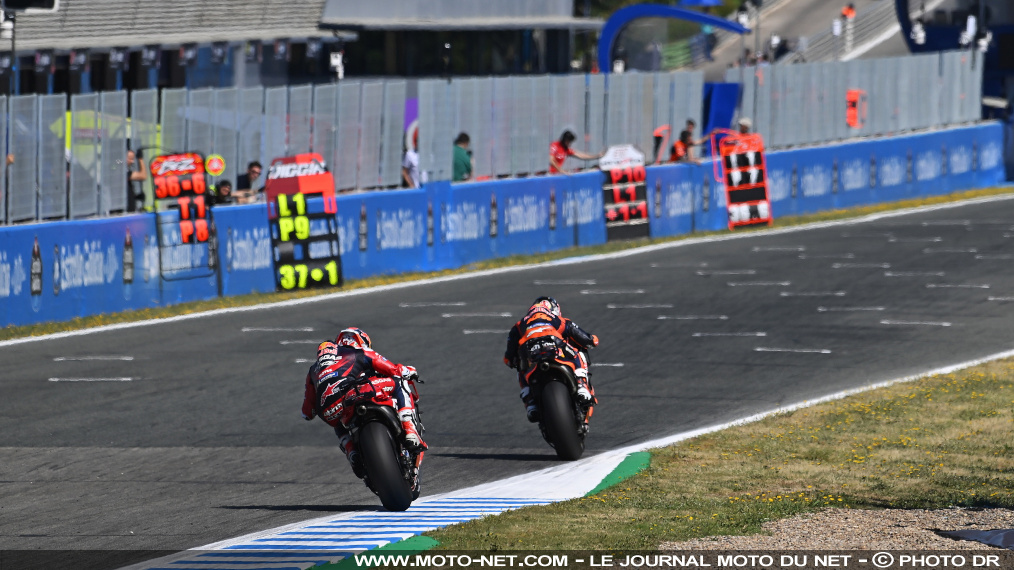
(914, 273)
(956, 286)
(568, 282)
(124, 379)
(860, 266)
(915, 323)
(728, 272)
(828, 256)
(801, 350)
(693, 317)
(1000, 298)
(484, 331)
(678, 265)
(659, 306)
(868, 235)
(994, 256)
(609, 364)
(303, 360)
(469, 315)
(847, 309)
(915, 240)
(759, 283)
(306, 341)
(276, 329)
(86, 358)
(612, 291)
(950, 250)
(516, 268)
(779, 248)
(812, 293)
(709, 334)
(432, 304)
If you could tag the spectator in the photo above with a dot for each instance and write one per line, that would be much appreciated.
(745, 124)
(136, 175)
(560, 150)
(245, 193)
(223, 194)
(848, 12)
(410, 165)
(683, 148)
(463, 164)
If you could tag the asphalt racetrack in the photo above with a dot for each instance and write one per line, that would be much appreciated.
(205, 442)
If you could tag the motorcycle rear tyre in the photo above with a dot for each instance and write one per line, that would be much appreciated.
(560, 423)
(380, 456)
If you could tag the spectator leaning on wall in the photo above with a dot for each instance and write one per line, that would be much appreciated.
(463, 164)
(245, 193)
(410, 174)
(136, 174)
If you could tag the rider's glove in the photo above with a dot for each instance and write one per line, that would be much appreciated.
(595, 340)
(409, 373)
(307, 418)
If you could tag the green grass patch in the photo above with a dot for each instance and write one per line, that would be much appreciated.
(256, 298)
(936, 442)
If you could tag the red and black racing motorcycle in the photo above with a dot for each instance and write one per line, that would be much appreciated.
(370, 414)
(563, 421)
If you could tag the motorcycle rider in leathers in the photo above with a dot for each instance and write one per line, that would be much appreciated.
(341, 364)
(544, 330)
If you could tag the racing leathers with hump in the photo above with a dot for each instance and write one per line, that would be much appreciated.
(545, 330)
(340, 365)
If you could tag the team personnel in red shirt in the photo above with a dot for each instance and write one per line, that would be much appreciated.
(560, 150)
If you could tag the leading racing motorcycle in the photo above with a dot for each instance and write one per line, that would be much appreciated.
(370, 414)
(563, 420)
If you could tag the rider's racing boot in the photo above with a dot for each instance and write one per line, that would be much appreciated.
(531, 410)
(585, 395)
(412, 438)
(348, 447)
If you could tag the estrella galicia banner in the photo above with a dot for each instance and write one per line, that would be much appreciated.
(304, 234)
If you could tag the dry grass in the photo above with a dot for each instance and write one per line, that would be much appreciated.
(936, 442)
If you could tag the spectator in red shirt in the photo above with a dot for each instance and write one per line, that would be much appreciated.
(560, 150)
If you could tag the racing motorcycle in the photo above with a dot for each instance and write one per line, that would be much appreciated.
(563, 421)
(370, 414)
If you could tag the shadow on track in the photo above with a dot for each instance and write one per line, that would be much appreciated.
(503, 456)
(316, 508)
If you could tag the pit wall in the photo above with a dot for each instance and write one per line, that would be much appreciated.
(446, 226)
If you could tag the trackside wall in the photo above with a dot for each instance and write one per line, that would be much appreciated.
(78, 268)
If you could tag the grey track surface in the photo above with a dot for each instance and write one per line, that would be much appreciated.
(207, 442)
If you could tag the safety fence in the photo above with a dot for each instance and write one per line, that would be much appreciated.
(512, 120)
(60, 271)
(793, 105)
(69, 153)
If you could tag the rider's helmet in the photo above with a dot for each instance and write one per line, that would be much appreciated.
(547, 304)
(354, 337)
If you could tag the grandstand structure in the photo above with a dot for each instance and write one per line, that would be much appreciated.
(103, 45)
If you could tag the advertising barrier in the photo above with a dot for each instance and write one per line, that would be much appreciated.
(61, 270)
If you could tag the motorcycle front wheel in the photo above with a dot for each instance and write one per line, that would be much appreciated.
(560, 423)
(381, 458)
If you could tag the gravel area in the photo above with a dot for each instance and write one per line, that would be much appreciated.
(852, 529)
